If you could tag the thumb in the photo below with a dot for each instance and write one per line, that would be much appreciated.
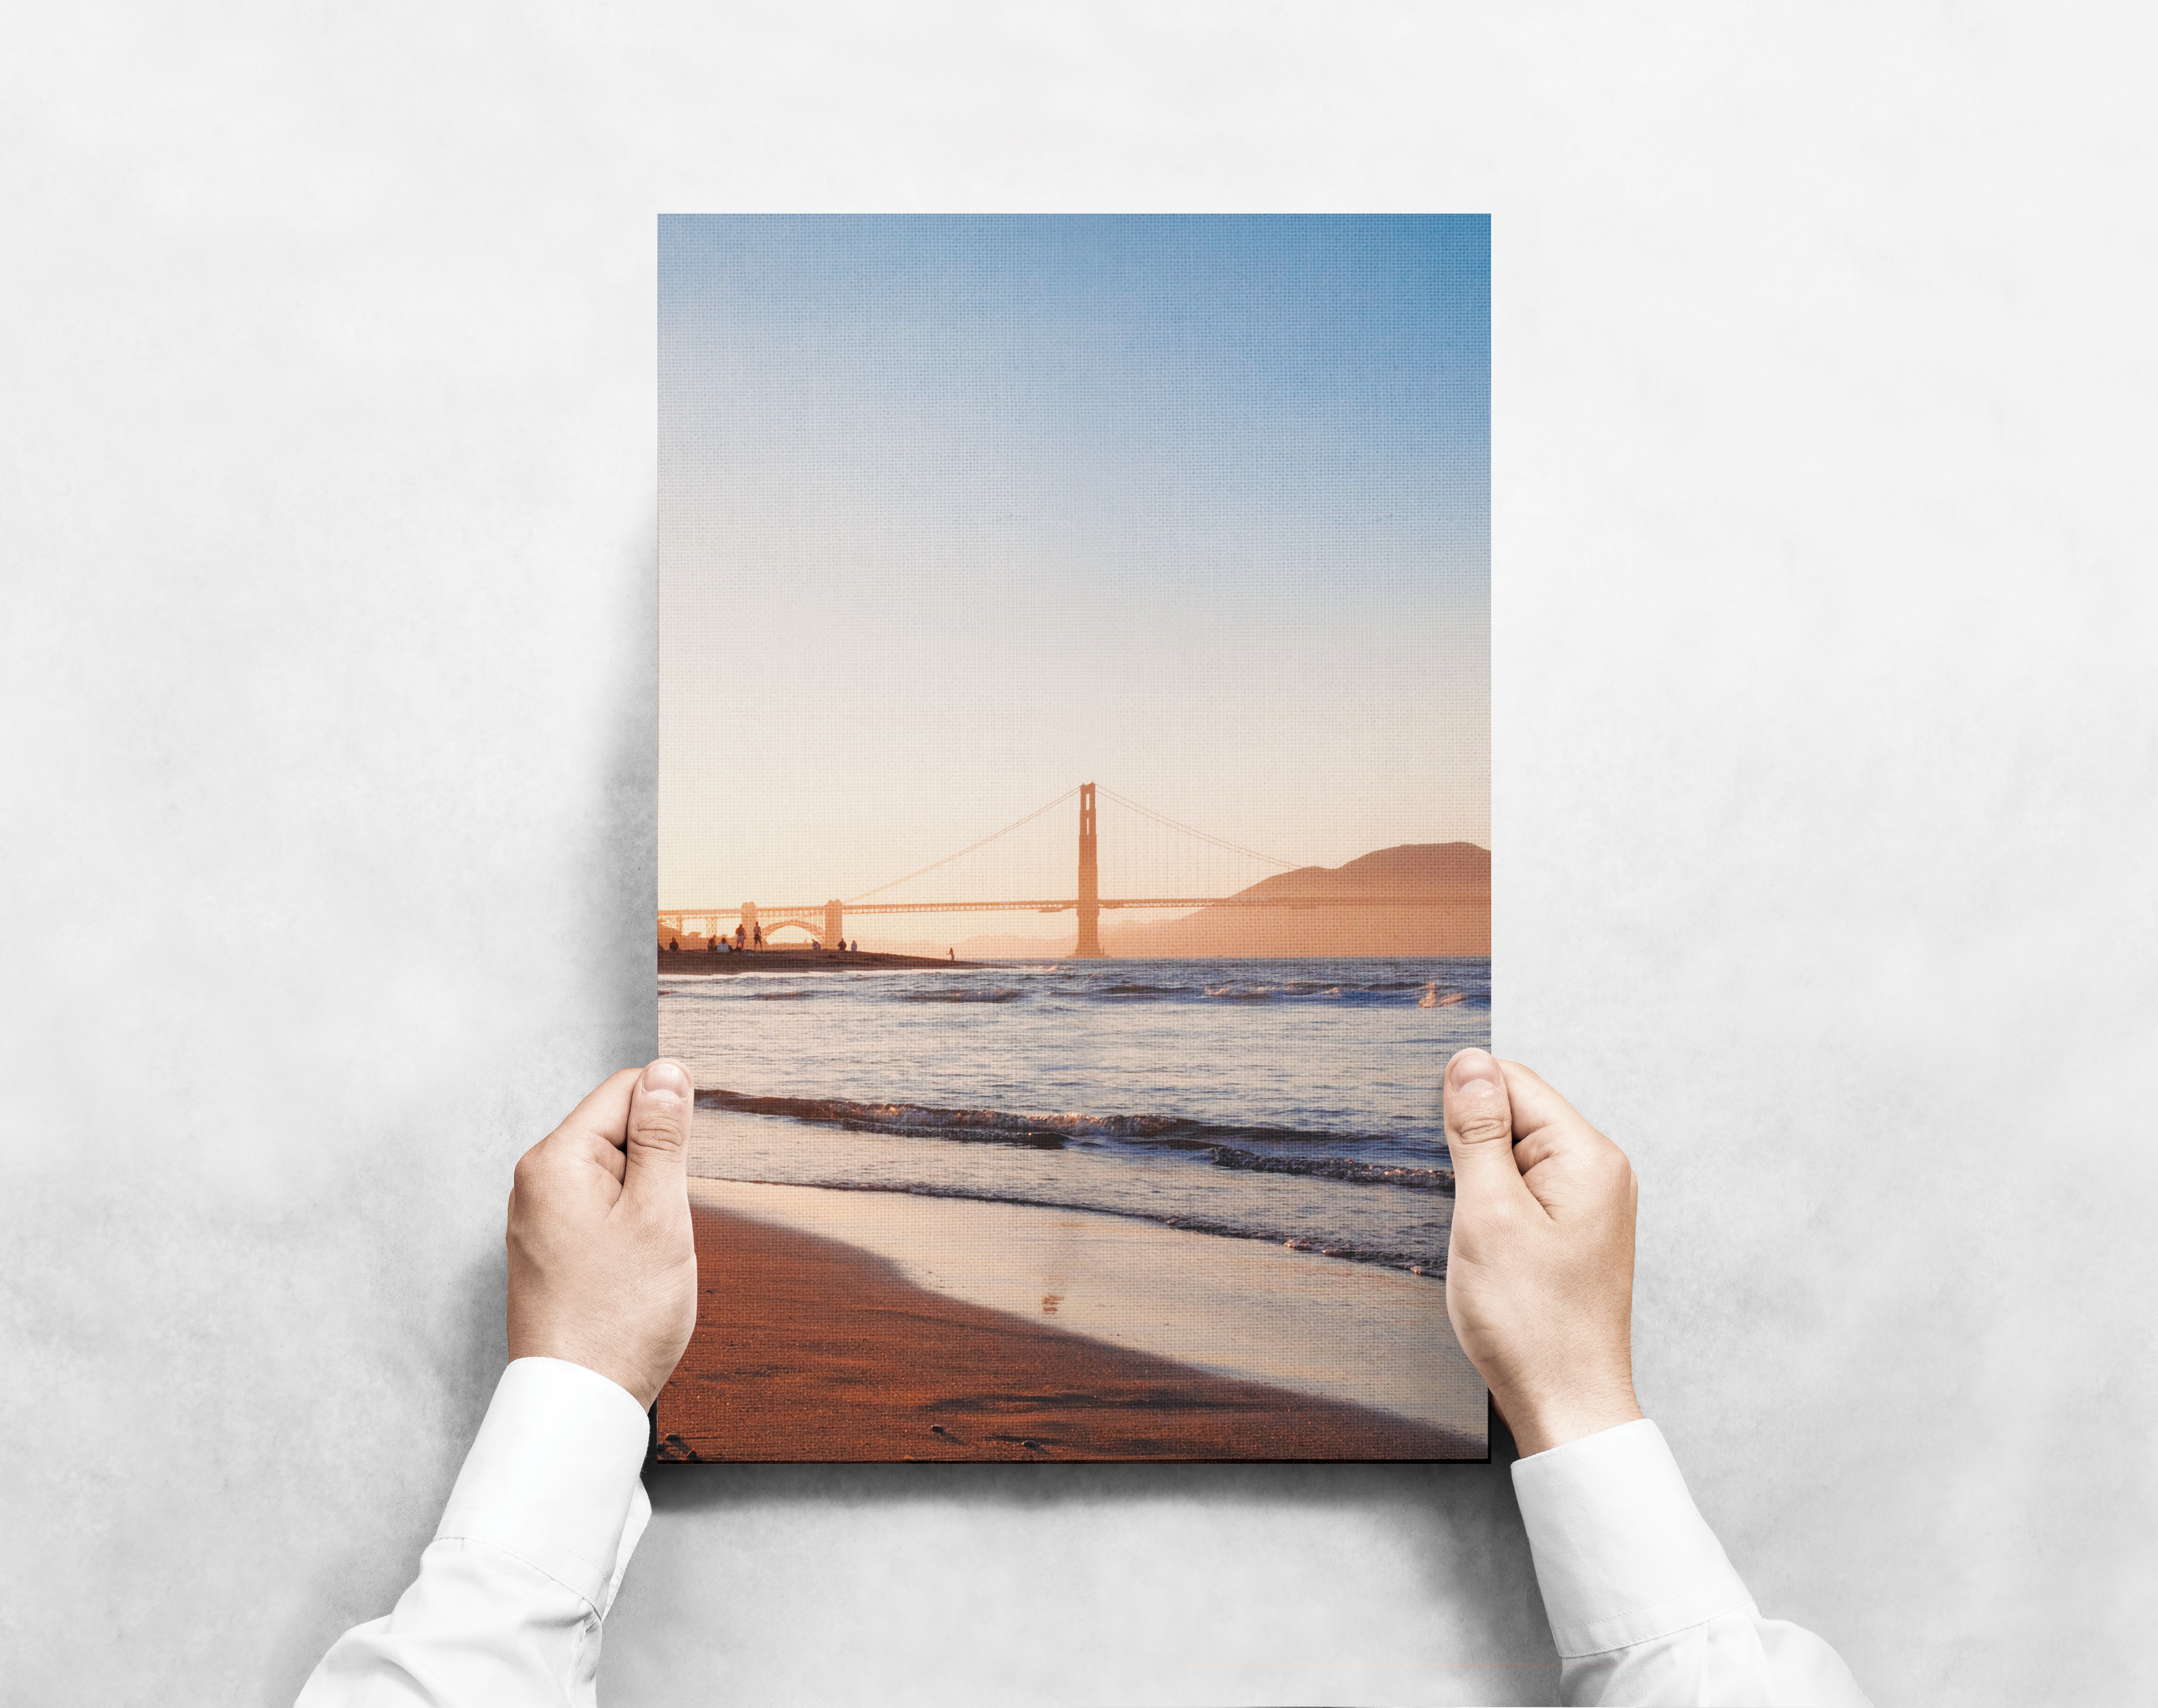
(657, 1146)
(1479, 1129)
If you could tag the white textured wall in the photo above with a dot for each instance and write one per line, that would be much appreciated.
(1826, 755)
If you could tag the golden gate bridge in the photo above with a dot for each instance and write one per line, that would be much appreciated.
(829, 918)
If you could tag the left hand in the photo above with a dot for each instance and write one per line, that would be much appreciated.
(603, 1258)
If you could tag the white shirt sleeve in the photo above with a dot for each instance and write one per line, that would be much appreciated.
(511, 1592)
(1644, 1607)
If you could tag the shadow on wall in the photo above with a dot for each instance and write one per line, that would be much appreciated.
(361, 1577)
(849, 1538)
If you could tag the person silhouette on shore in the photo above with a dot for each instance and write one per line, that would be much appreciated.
(757, 940)
(673, 946)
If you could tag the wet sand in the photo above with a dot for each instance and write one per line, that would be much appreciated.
(810, 1349)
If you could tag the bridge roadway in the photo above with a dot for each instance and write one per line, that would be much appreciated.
(676, 915)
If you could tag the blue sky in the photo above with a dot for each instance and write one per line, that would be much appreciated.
(957, 512)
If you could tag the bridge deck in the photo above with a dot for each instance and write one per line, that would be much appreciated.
(1431, 899)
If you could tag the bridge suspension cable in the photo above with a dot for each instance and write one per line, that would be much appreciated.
(1163, 819)
(969, 849)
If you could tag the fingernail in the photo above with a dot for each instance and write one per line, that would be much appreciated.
(1473, 1071)
(666, 1079)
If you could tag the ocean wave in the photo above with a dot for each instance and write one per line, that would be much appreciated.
(1223, 1156)
(1062, 982)
(1051, 1131)
(1378, 993)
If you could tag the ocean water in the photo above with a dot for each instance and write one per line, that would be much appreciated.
(1290, 1102)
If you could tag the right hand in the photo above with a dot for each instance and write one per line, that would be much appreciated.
(1539, 1261)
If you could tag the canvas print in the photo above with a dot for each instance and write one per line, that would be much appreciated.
(1074, 828)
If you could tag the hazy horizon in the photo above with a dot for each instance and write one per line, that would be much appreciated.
(1456, 922)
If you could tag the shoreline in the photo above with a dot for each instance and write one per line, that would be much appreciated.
(811, 1349)
(692, 961)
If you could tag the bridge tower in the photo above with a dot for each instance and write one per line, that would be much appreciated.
(835, 922)
(1090, 881)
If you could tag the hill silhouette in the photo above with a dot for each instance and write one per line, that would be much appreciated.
(1336, 921)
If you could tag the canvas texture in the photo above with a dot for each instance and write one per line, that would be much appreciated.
(1075, 855)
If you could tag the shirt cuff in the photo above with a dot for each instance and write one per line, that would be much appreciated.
(554, 1477)
(1623, 1555)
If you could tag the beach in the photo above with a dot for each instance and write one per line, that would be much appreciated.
(1164, 1209)
(809, 1348)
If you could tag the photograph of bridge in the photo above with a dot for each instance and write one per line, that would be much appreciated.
(1044, 1118)
(1421, 898)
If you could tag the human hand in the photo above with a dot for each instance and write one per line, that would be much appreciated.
(1540, 1261)
(602, 1259)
